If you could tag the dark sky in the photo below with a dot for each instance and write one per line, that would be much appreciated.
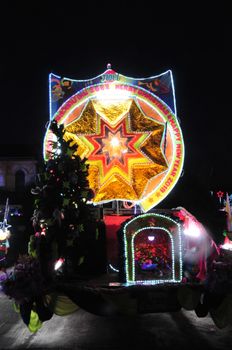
(139, 40)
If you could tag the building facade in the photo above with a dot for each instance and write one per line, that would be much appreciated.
(16, 173)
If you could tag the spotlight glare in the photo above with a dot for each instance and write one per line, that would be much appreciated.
(227, 246)
(192, 229)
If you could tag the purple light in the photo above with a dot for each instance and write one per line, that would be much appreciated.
(151, 238)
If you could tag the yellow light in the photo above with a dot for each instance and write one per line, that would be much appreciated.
(115, 145)
(3, 234)
(112, 95)
(115, 142)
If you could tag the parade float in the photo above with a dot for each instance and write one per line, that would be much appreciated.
(129, 133)
(114, 145)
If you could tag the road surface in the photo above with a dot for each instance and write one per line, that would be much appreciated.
(82, 330)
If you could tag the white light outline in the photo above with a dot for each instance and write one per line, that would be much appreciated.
(169, 71)
(50, 93)
(120, 75)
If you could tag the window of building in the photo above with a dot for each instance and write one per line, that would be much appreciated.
(19, 180)
(2, 180)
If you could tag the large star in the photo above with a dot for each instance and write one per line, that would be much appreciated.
(123, 154)
(114, 147)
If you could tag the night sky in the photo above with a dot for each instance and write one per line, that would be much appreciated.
(139, 41)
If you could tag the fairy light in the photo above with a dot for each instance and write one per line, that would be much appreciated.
(126, 256)
(149, 282)
(58, 149)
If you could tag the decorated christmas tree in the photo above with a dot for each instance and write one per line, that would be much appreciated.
(61, 208)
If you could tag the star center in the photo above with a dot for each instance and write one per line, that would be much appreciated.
(115, 145)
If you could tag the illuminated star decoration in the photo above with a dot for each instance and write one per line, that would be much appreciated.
(123, 147)
(114, 147)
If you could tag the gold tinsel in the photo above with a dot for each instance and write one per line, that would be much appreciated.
(141, 175)
(151, 147)
(112, 111)
(116, 188)
(86, 123)
(81, 149)
(139, 122)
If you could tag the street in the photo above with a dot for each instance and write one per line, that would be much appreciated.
(82, 330)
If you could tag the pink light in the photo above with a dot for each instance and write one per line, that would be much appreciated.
(43, 232)
(151, 238)
(192, 229)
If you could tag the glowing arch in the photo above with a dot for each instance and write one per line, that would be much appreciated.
(152, 221)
